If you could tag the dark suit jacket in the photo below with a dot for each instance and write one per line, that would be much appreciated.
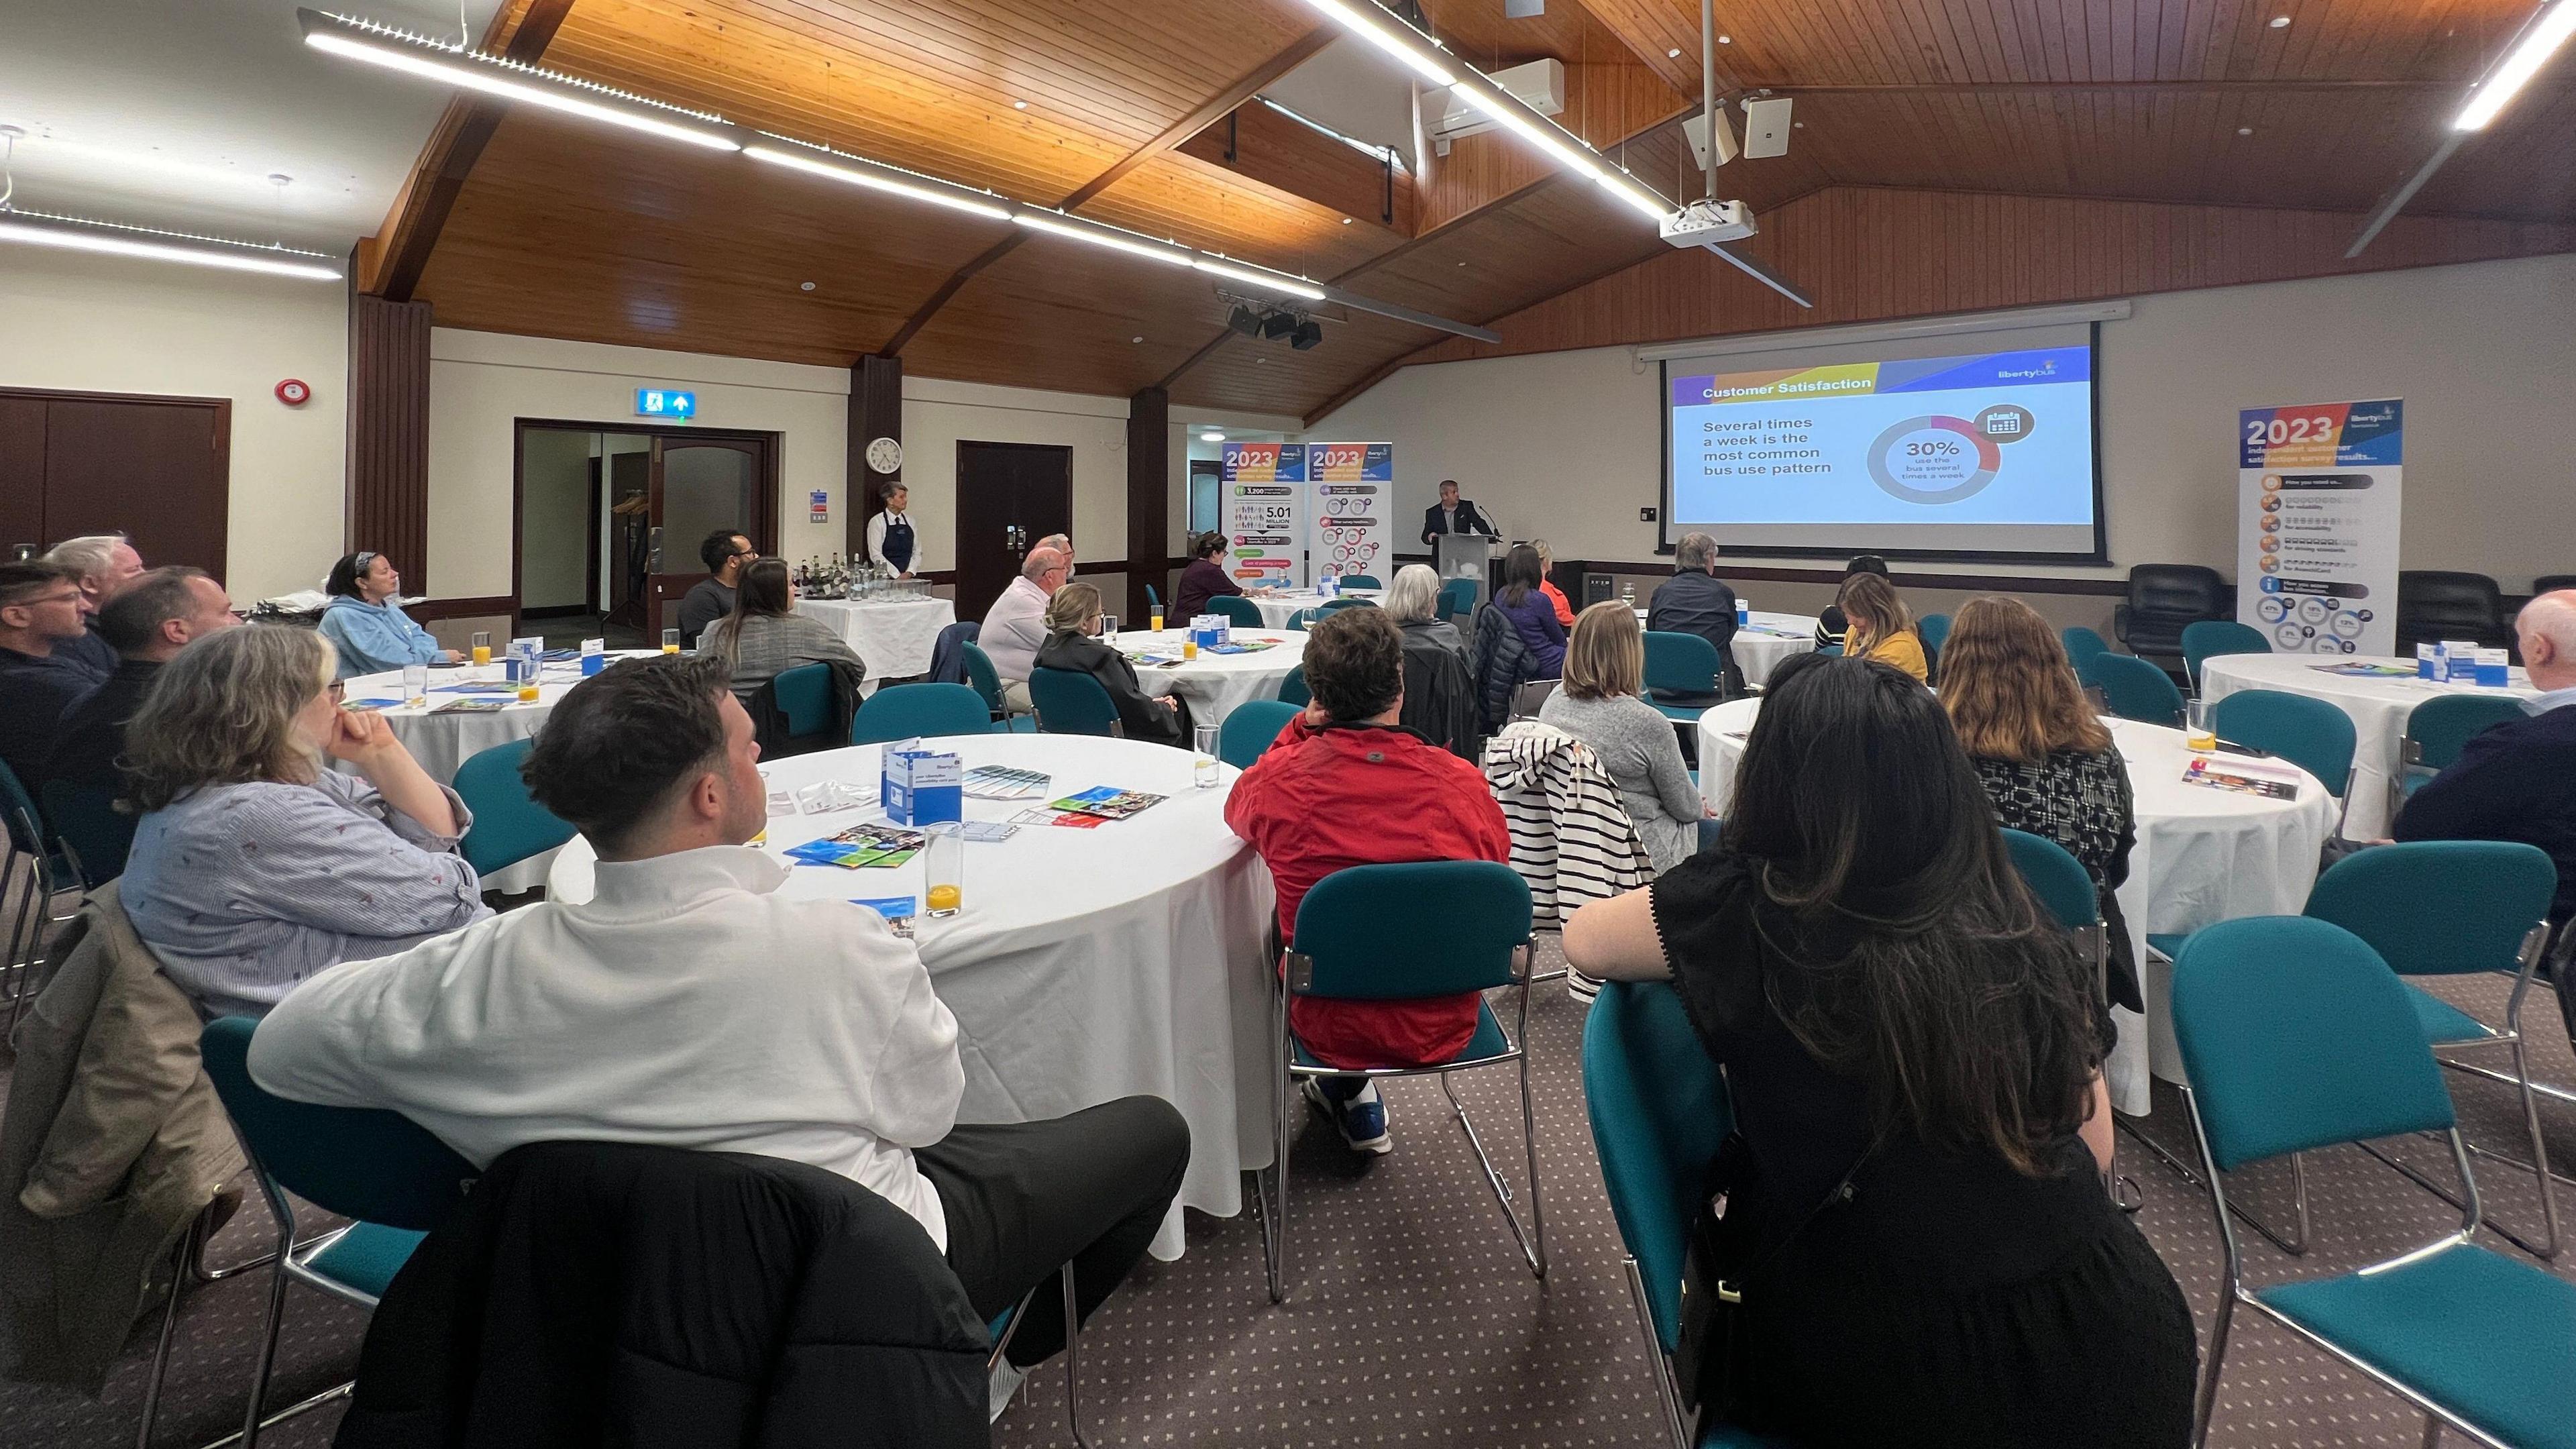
(1469, 521)
(2512, 781)
(1142, 716)
(93, 734)
(1693, 602)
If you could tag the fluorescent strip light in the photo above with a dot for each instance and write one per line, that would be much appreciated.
(510, 81)
(1268, 281)
(1527, 125)
(80, 235)
(1626, 187)
(1417, 54)
(2540, 40)
(1101, 236)
(876, 176)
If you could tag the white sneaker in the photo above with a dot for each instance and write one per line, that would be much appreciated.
(1006, 1380)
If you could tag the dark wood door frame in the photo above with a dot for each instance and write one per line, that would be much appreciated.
(765, 512)
(222, 408)
(980, 543)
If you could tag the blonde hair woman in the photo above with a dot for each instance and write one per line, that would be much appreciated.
(255, 864)
(1602, 703)
(1073, 618)
(1879, 628)
(2047, 762)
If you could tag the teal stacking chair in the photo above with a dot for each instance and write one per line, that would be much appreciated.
(987, 682)
(1153, 601)
(1304, 619)
(2296, 1036)
(2066, 891)
(1400, 932)
(2309, 733)
(94, 835)
(50, 875)
(1248, 733)
(509, 825)
(2081, 645)
(804, 696)
(1335, 606)
(1242, 612)
(2206, 639)
(1361, 581)
(1934, 631)
(1292, 687)
(1457, 596)
(907, 711)
(1681, 664)
(2437, 730)
(1070, 702)
(376, 1167)
(2135, 689)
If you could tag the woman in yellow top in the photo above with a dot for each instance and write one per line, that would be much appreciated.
(1880, 627)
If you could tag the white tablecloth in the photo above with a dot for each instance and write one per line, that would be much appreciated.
(1276, 608)
(1773, 638)
(893, 636)
(444, 742)
(2378, 708)
(1215, 684)
(2203, 856)
(1087, 965)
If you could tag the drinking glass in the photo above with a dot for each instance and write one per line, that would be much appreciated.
(1155, 621)
(670, 641)
(1203, 771)
(943, 868)
(416, 684)
(2204, 735)
(1109, 626)
(483, 646)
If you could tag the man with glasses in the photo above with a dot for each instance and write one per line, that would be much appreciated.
(42, 614)
(726, 555)
(148, 621)
(106, 565)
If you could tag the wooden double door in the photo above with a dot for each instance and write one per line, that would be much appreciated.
(157, 469)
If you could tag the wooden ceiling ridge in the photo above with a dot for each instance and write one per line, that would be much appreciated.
(391, 262)
(1206, 114)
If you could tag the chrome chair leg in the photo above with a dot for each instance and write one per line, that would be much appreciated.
(180, 1259)
(2298, 1181)
(1072, 1375)
(2539, 1154)
(267, 1345)
(1667, 1393)
(1532, 1252)
(2211, 1361)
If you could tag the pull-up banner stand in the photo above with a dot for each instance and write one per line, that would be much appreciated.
(1352, 484)
(2319, 489)
(1265, 514)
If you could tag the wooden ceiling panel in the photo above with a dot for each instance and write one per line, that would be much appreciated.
(1209, 207)
(1482, 35)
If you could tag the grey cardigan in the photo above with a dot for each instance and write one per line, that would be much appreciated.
(1637, 746)
(772, 644)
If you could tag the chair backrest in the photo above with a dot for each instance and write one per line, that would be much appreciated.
(365, 1163)
(509, 825)
(26, 825)
(2295, 1035)
(85, 818)
(2082, 644)
(804, 696)
(1659, 1109)
(2552, 583)
(902, 711)
(1251, 729)
(2309, 733)
(2057, 878)
(2431, 598)
(2439, 907)
(2136, 689)
(1361, 581)
(1335, 605)
(1070, 702)
(1153, 600)
(2165, 597)
(2205, 639)
(1292, 687)
(2438, 729)
(1245, 613)
(1531, 696)
(982, 677)
(1681, 663)
(1932, 631)
(1304, 619)
(1457, 596)
(1425, 928)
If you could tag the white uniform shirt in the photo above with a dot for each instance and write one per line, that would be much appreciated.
(686, 1005)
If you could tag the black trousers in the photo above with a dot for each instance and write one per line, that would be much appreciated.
(1025, 1198)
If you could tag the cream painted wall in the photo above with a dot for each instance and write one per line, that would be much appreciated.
(554, 531)
(1566, 445)
(108, 324)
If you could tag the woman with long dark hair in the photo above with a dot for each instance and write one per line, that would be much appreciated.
(1533, 617)
(1915, 1216)
(765, 637)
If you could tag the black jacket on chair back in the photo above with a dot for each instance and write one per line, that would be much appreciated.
(2437, 605)
(590, 1293)
(2163, 599)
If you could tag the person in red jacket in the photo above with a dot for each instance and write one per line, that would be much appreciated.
(1346, 785)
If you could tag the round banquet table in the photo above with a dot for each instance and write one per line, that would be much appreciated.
(1276, 608)
(1772, 638)
(2203, 855)
(893, 637)
(1214, 684)
(444, 742)
(2378, 707)
(1087, 965)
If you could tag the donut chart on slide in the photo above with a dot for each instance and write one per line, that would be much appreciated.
(1957, 460)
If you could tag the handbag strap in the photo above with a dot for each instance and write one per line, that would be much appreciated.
(1841, 1191)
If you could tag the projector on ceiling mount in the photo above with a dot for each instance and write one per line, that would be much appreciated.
(1703, 222)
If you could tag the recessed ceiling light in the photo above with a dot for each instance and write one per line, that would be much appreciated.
(1797, 125)
(1346, 221)
(1019, 105)
(1211, 437)
(804, 286)
(2280, 22)
(2245, 130)
(1726, 40)
(1673, 54)
(1135, 339)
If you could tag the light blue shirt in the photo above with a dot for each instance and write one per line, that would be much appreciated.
(373, 638)
(2554, 699)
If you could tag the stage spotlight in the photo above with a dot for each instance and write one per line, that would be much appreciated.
(1244, 320)
(1278, 325)
(1310, 333)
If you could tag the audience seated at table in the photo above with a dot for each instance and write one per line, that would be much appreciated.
(726, 554)
(1602, 703)
(106, 564)
(691, 1004)
(41, 611)
(1696, 601)
(1073, 643)
(1555, 596)
(1015, 627)
(256, 865)
(1203, 580)
(1439, 681)
(1914, 1208)
(1062, 543)
(1346, 784)
(1532, 617)
(365, 622)
(1830, 625)
(1879, 628)
(2517, 780)
(765, 637)
(147, 623)
(2047, 762)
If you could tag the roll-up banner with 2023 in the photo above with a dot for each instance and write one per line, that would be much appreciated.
(2319, 486)
(1352, 484)
(1265, 513)
(1297, 510)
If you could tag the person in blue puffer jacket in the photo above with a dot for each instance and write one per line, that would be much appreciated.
(367, 626)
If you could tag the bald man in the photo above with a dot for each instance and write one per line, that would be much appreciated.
(1016, 624)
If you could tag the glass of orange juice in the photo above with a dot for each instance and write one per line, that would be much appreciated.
(1156, 619)
(483, 646)
(943, 868)
(670, 641)
(1189, 644)
(2203, 735)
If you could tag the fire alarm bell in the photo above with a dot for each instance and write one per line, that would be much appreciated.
(293, 392)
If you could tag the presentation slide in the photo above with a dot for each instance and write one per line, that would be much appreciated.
(1983, 452)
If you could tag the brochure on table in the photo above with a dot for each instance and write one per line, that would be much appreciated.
(1297, 511)
(2319, 494)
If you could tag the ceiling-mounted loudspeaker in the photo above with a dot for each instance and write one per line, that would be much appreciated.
(1695, 129)
(1278, 325)
(1766, 128)
(1308, 334)
(1244, 320)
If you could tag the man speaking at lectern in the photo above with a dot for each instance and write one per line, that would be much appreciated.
(1453, 514)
